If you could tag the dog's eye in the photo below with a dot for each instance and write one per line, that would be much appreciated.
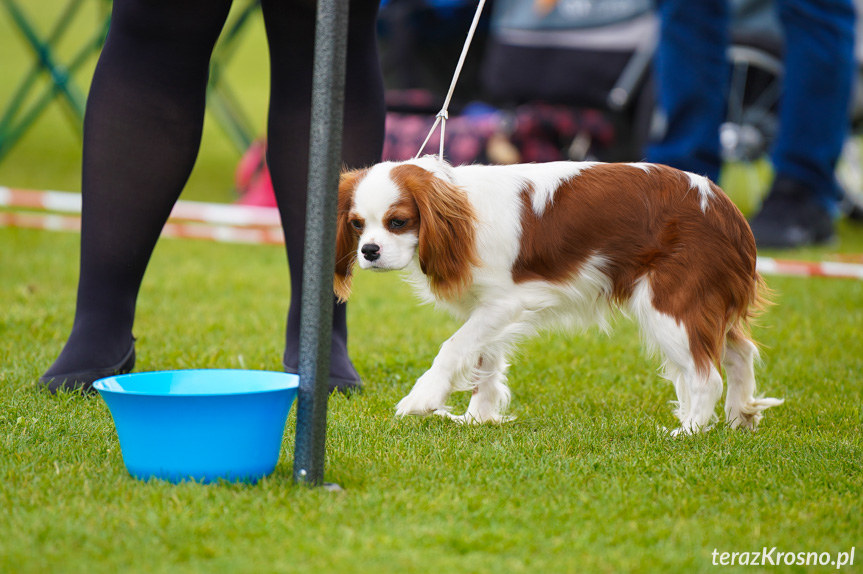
(357, 224)
(398, 223)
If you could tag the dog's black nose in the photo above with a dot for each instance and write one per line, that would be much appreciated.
(371, 251)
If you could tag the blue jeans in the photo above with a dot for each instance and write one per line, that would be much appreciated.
(692, 81)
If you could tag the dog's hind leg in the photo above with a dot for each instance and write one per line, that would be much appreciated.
(742, 409)
(698, 387)
(704, 389)
(698, 390)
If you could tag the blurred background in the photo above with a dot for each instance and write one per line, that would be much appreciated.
(571, 80)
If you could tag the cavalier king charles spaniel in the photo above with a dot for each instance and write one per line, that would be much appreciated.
(518, 248)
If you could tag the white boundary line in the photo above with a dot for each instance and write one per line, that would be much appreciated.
(770, 266)
(261, 225)
(216, 213)
(220, 233)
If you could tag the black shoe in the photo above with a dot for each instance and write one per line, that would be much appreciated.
(82, 381)
(791, 217)
(335, 384)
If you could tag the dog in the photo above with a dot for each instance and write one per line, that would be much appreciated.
(518, 248)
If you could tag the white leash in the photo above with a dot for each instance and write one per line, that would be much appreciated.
(443, 115)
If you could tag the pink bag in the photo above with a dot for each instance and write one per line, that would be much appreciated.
(252, 177)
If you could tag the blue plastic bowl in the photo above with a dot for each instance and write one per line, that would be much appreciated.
(201, 425)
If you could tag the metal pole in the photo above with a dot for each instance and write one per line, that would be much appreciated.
(316, 310)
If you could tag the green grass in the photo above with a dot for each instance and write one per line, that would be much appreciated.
(583, 480)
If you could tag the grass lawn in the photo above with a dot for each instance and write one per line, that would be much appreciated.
(582, 481)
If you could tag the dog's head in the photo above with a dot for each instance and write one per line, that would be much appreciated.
(392, 212)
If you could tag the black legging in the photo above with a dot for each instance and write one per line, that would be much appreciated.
(142, 132)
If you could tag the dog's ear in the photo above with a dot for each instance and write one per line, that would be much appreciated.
(346, 235)
(447, 232)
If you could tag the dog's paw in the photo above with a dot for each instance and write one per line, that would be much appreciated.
(444, 412)
(419, 404)
(471, 419)
(749, 415)
(687, 430)
(679, 431)
(428, 395)
(411, 405)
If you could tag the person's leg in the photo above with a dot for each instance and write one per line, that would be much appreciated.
(691, 77)
(290, 33)
(819, 71)
(813, 116)
(142, 131)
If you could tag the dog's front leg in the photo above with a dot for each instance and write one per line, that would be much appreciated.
(490, 396)
(454, 364)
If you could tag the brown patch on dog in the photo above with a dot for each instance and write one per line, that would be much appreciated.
(447, 229)
(700, 264)
(404, 209)
(346, 236)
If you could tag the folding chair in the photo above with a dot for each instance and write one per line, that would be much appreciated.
(23, 110)
(31, 99)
